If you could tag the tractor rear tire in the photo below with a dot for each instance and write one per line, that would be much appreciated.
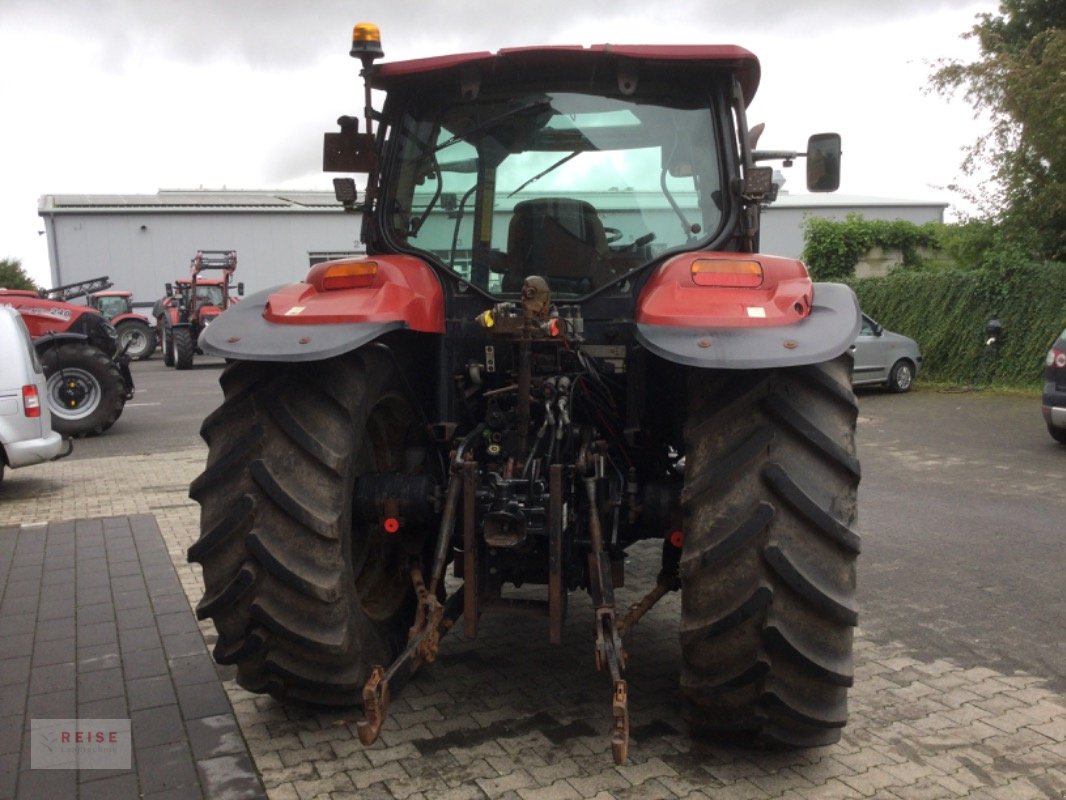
(182, 347)
(86, 392)
(768, 563)
(167, 346)
(305, 598)
(139, 336)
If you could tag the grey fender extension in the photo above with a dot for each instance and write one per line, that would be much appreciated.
(242, 333)
(828, 331)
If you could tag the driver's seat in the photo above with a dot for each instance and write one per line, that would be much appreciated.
(559, 238)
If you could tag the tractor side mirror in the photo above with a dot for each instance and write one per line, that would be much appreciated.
(240, 289)
(823, 162)
(169, 288)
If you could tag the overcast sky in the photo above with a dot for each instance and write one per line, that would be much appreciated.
(133, 96)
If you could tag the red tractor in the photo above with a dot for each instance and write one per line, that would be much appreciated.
(136, 334)
(191, 304)
(562, 341)
(89, 379)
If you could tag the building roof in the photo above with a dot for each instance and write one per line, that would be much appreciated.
(835, 200)
(268, 200)
(193, 200)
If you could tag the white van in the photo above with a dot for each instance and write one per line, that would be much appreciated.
(26, 434)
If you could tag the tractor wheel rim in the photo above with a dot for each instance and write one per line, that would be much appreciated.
(73, 394)
(132, 341)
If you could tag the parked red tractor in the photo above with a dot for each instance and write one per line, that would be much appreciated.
(89, 379)
(562, 341)
(191, 304)
(136, 334)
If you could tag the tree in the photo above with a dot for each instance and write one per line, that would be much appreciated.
(1019, 81)
(13, 276)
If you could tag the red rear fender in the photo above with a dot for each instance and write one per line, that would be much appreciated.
(118, 319)
(726, 290)
(341, 306)
(743, 311)
(380, 289)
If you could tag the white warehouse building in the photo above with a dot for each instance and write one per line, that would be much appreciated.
(144, 241)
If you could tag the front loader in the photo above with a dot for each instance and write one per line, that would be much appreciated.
(562, 341)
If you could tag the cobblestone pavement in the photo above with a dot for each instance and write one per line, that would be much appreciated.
(508, 716)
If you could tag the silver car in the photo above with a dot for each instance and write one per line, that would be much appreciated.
(26, 435)
(884, 358)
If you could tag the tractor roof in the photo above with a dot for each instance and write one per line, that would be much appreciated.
(680, 59)
(114, 293)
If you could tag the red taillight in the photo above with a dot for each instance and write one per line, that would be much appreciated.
(726, 273)
(31, 403)
(1055, 358)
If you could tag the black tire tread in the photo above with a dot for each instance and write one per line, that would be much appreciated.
(184, 348)
(768, 565)
(276, 516)
(167, 347)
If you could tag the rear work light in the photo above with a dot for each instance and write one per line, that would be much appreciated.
(350, 276)
(725, 273)
(1055, 358)
(31, 402)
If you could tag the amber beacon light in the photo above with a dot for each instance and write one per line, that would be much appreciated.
(366, 42)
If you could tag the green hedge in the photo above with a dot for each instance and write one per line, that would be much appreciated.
(832, 247)
(946, 312)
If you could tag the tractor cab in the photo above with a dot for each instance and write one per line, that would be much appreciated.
(579, 165)
(204, 299)
(580, 189)
(112, 303)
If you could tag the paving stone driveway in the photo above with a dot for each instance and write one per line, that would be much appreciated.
(506, 716)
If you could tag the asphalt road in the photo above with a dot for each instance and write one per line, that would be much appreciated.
(165, 412)
(961, 511)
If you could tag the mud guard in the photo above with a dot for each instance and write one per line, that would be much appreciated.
(54, 339)
(242, 333)
(829, 330)
(340, 306)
